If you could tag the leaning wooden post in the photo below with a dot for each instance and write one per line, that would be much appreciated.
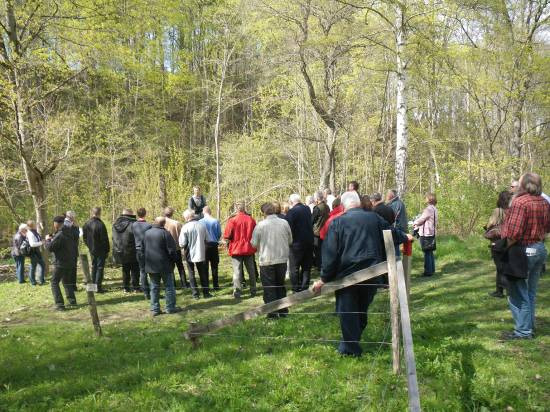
(394, 299)
(90, 289)
(412, 382)
(195, 331)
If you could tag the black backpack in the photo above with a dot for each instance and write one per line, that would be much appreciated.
(25, 248)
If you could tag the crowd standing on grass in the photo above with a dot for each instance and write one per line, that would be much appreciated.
(326, 236)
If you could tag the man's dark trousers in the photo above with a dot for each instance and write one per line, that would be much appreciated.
(317, 247)
(143, 279)
(181, 270)
(98, 270)
(300, 266)
(130, 271)
(202, 268)
(213, 259)
(352, 304)
(64, 275)
(273, 282)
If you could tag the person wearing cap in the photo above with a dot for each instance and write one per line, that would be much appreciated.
(124, 250)
(63, 245)
(18, 252)
(354, 242)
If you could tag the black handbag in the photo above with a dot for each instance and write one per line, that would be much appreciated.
(427, 243)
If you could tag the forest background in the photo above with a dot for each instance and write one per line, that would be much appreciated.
(119, 103)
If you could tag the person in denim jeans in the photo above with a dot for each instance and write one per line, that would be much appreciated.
(16, 253)
(160, 252)
(36, 242)
(526, 224)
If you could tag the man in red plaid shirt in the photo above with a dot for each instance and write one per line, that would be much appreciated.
(526, 223)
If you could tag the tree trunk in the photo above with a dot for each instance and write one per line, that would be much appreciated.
(401, 103)
(327, 165)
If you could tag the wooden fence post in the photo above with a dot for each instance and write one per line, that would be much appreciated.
(394, 299)
(90, 289)
(412, 382)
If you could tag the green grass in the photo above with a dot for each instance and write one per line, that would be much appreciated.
(52, 361)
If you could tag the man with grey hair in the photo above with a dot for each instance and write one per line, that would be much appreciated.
(514, 187)
(399, 210)
(354, 242)
(301, 250)
(319, 216)
(193, 241)
(70, 221)
(525, 227)
(20, 248)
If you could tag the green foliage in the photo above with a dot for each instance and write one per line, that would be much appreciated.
(52, 361)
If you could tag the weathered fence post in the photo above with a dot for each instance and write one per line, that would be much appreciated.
(412, 382)
(90, 289)
(394, 299)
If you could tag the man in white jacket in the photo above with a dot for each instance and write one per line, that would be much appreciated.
(192, 240)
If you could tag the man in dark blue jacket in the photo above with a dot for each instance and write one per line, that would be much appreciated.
(63, 246)
(301, 250)
(139, 228)
(354, 242)
(160, 251)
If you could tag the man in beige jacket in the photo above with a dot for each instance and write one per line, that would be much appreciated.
(174, 227)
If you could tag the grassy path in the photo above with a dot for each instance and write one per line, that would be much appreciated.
(51, 361)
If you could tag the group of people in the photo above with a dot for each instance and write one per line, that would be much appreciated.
(517, 229)
(336, 235)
